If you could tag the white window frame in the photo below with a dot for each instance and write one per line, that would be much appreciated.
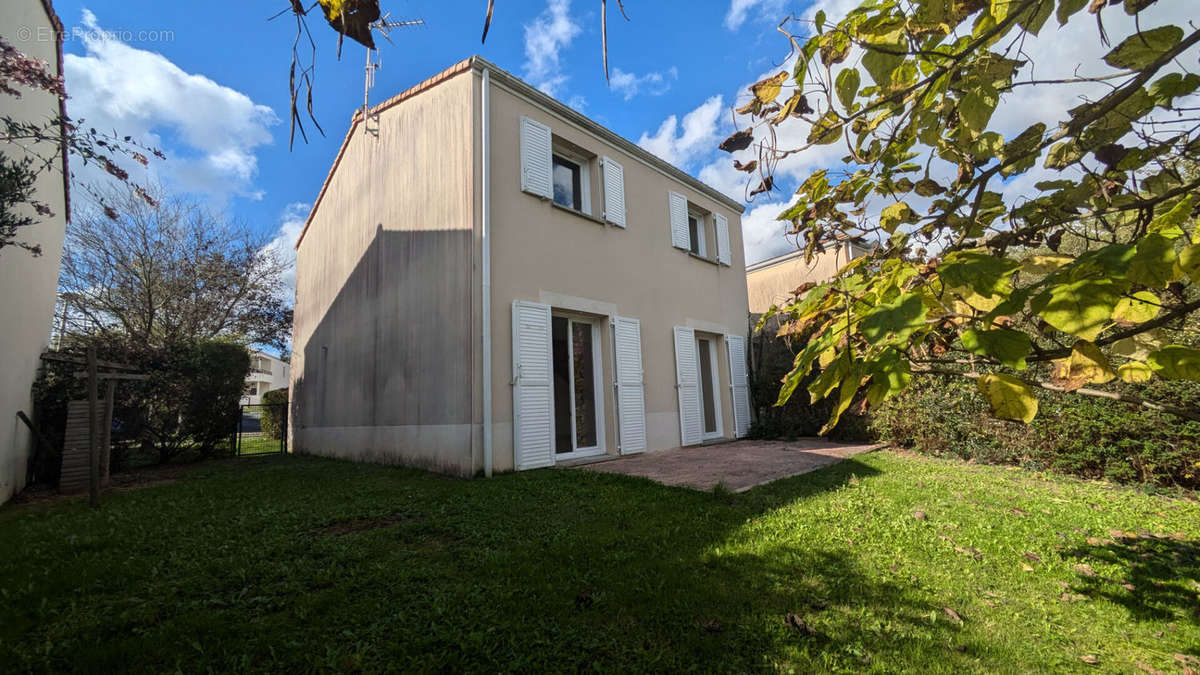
(585, 175)
(715, 376)
(701, 231)
(598, 385)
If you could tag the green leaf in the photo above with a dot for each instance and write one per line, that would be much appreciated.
(976, 108)
(1189, 262)
(1169, 224)
(1082, 308)
(1007, 346)
(1018, 155)
(1010, 398)
(1142, 307)
(1153, 262)
(1141, 49)
(1068, 7)
(827, 130)
(1134, 372)
(927, 187)
(881, 64)
(1176, 363)
(1167, 88)
(982, 272)
(1063, 154)
(892, 374)
(1086, 365)
(896, 215)
(847, 85)
(849, 387)
(894, 322)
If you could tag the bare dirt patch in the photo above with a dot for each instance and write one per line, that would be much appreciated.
(343, 527)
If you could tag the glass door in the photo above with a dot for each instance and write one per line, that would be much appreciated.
(578, 429)
(710, 402)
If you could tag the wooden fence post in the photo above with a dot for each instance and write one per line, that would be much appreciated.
(93, 449)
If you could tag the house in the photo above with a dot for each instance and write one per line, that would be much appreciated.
(267, 373)
(490, 281)
(774, 281)
(27, 308)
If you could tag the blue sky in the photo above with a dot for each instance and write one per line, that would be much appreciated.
(210, 87)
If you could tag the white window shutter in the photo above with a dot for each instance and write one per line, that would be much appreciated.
(533, 394)
(679, 221)
(723, 254)
(536, 158)
(687, 374)
(631, 394)
(739, 384)
(614, 191)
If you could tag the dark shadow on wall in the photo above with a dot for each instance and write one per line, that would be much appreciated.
(394, 346)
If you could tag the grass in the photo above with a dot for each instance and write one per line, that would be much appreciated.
(295, 564)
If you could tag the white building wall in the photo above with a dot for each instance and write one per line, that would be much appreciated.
(30, 283)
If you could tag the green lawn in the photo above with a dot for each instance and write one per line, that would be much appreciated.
(300, 564)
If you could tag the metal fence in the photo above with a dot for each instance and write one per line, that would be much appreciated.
(261, 430)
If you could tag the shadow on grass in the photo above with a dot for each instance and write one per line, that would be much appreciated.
(1160, 578)
(548, 570)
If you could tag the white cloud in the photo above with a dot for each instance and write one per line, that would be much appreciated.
(548, 34)
(214, 130)
(654, 84)
(739, 11)
(681, 142)
(283, 246)
(763, 235)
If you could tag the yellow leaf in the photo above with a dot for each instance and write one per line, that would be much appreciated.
(768, 90)
(1142, 307)
(1085, 365)
(1010, 398)
(1134, 372)
(1044, 264)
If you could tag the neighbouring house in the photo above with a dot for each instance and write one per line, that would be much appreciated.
(774, 281)
(29, 282)
(489, 280)
(267, 373)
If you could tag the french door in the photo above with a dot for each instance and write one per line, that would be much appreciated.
(578, 392)
(710, 400)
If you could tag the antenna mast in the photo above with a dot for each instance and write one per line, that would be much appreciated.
(384, 25)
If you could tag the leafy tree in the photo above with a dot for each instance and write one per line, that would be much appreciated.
(966, 281)
(44, 147)
(168, 274)
(274, 413)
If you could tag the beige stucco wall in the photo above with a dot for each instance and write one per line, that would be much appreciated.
(387, 361)
(775, 283)
(382, 354)
(27, 305)
(545, 254)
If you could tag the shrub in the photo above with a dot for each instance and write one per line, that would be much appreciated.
(215, 373)
(274, 413)
(772, 359)
(1087, 437)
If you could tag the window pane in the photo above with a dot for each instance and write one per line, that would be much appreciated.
(694, 234)
(562, 386)
(585, 386)
(566, 184)
(706, 386)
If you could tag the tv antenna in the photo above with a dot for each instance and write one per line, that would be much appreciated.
(384, 26)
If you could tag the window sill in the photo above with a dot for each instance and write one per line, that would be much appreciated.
(704, 258)
(581, 214)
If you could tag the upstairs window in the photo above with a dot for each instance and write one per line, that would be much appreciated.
(568, 183)
(696, 234)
